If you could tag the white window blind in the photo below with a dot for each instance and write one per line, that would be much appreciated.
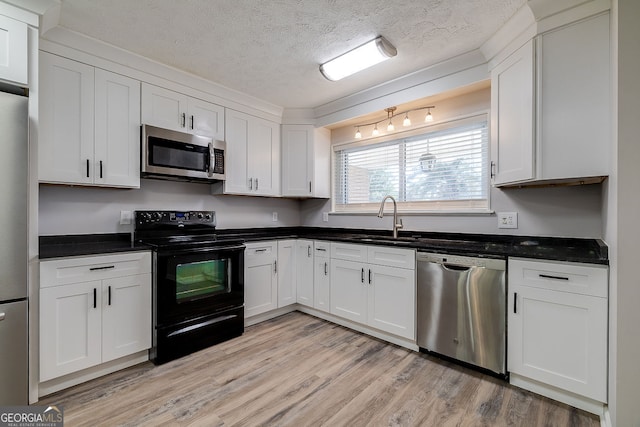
(445, 168)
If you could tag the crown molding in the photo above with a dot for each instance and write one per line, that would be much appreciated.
(73, 45)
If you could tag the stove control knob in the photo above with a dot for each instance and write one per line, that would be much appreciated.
(208, 217)
(199, 215)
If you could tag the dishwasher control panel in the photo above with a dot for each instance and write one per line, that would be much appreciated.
(462, 261)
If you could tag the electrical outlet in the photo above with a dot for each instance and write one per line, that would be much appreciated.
(325, 216)
(507, 219)
(126, 217)
(275, 217)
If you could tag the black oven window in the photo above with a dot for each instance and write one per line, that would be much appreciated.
(201, 279)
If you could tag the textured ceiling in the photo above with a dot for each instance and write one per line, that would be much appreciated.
(272, 49)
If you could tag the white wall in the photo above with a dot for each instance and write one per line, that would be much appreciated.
(622, 212)
(85, 210)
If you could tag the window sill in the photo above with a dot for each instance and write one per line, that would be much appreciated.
(478, 212)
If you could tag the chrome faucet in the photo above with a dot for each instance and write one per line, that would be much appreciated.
(397, 224)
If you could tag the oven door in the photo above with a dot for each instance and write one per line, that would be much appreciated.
(197, 282)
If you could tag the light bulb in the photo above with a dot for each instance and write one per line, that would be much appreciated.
(375, 131)
(358, 134)
(428, 117)
(390, 126)
(406, 121)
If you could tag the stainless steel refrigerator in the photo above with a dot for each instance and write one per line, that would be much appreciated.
(13, 249)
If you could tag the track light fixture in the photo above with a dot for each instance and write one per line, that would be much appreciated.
(390, 115)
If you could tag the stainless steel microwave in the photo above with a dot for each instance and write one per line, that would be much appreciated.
(169, 154)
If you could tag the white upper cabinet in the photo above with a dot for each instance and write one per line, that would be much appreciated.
(172, 110)
(252, 156)
(13, 51)
(512, 92)
(305, 161)
(89, 125)
(544, 98)
(117, 129)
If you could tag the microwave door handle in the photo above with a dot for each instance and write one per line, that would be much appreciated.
(212, 159)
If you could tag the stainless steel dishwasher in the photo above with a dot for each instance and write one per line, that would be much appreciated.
(462, 309)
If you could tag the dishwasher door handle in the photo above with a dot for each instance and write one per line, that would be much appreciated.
(454, 267)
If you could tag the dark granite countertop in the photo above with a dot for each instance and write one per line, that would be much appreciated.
(87, 244)
(592, 251)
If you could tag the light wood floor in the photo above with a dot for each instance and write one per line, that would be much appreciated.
(297, 370)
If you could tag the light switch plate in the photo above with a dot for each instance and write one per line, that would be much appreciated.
(325, 216)
(126, 217)
(275, 216)
(507, 219)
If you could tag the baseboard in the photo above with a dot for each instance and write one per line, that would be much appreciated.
(48, 387)
(560, 395)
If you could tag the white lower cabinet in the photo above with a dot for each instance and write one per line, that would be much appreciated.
(260, 278)
(557, 326)
(322, 276)
(93, 310)
(286, 271)
(304, 272)
(375, 286)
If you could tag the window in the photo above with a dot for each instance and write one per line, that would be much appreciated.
(443, 169)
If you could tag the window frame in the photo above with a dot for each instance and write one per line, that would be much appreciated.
(419, 208)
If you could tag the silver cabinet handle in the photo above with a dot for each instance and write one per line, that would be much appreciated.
(256, 184)
(325, 268)
(261, 250)
(184, 120)
(275, 267)
(321, 249)
(100, 168)
(192, 121)
(87, 168)
(309, 251)
(309, 186)
(549, 276)
(362, 276)
(250, 183)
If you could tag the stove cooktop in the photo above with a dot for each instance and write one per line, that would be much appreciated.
(179, 229)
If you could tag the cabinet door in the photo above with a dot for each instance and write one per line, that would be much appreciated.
(13, 50)
(237, 137)
(126, 316)
(392, 300)
(164, 108)
(66, 131)
(560, 339)
(264, 157)
(322, 278)
(349, 290)
(297, 160)
(117, 130)
(574, 84)
(70, 328)
(304, 272)
(260, 278)
(512, 115)
(286, 270)
(205, 119)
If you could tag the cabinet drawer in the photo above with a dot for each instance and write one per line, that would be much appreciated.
(560, 276)
(259, 252)
(83, 269)
(392, 257)
(322, 249)
(349, 252)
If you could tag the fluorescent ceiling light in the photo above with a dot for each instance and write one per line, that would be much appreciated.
(364, 56)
